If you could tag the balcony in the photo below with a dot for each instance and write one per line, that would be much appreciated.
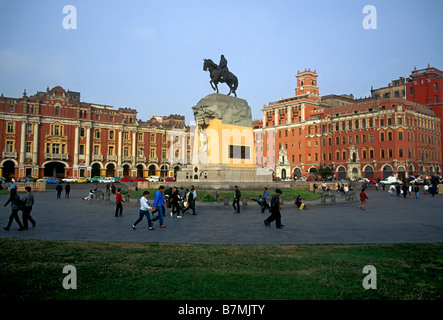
(9, 155)
(153, 160)
(97, 157)
(111, 158)
(141, 159)
(127, 159)
(56, 156)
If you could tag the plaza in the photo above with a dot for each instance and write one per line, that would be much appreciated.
(387, 219)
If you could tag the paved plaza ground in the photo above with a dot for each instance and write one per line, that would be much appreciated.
(387, 219)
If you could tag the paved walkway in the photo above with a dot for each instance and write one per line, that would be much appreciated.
(388, 219)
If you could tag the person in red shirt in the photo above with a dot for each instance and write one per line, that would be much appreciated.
(363, 198)
(118, 202)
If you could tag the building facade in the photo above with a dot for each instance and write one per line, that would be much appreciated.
(372, 138)
(52, 133)
(426, 87)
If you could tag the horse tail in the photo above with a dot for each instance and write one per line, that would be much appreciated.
(235, 83)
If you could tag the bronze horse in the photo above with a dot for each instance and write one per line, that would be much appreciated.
(217, 76)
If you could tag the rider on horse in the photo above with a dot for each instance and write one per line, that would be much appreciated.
(224, 71)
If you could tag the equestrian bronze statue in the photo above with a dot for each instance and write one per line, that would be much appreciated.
(220, 73)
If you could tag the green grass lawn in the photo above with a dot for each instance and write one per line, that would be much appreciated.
(32, 269)
(212, 195)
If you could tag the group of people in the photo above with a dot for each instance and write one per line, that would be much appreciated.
(23, 204)
(404, 190)
(59, 190)
(179, 200)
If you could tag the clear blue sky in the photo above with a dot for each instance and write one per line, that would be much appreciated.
(148, 55)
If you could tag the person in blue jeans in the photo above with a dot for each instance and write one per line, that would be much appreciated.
(158, 204)
(144, 210)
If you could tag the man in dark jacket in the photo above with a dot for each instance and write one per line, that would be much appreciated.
(236, 202)
(15, 201)
(275, 211)
(28, 202)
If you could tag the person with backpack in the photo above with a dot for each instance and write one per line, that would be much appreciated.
(16, 203)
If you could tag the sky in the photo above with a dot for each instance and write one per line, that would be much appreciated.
(148, 55)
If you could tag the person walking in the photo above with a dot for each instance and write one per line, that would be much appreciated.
(188, 203)
(416, 190)
(67, 191)
(194, 198)
(14, 199)
(176, 203)
(363, 198)
(236, 202)
(59, 189)
(275, 211)
(144, 210)
(118, 201)
(28, 202)
(158, 204)
(266, 200)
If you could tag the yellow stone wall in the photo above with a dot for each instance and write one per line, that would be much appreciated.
(219, 136)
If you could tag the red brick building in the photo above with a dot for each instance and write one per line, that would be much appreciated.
(426, 88)
(53, 133)
(371, 137)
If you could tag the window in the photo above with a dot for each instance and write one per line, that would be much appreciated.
(82, 132)
(97, 133)
(140, 137)
(9, 146)
(55, 148)
(389, 121)
(389, 136)
(390, 153)
(140, 152)
(371, 137)
(400, 135)
(126, 151)
(400, 153)
(357, 139)
(152, 137)
(82, 149)
(96, 149)
(382, 153)
(363, 138)
(29, 128)
(28, 146)
(382, 136)
(110, 150)
(10, 128)
(57, 110)
(152, 154)
(126, 135)
(239, 152)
